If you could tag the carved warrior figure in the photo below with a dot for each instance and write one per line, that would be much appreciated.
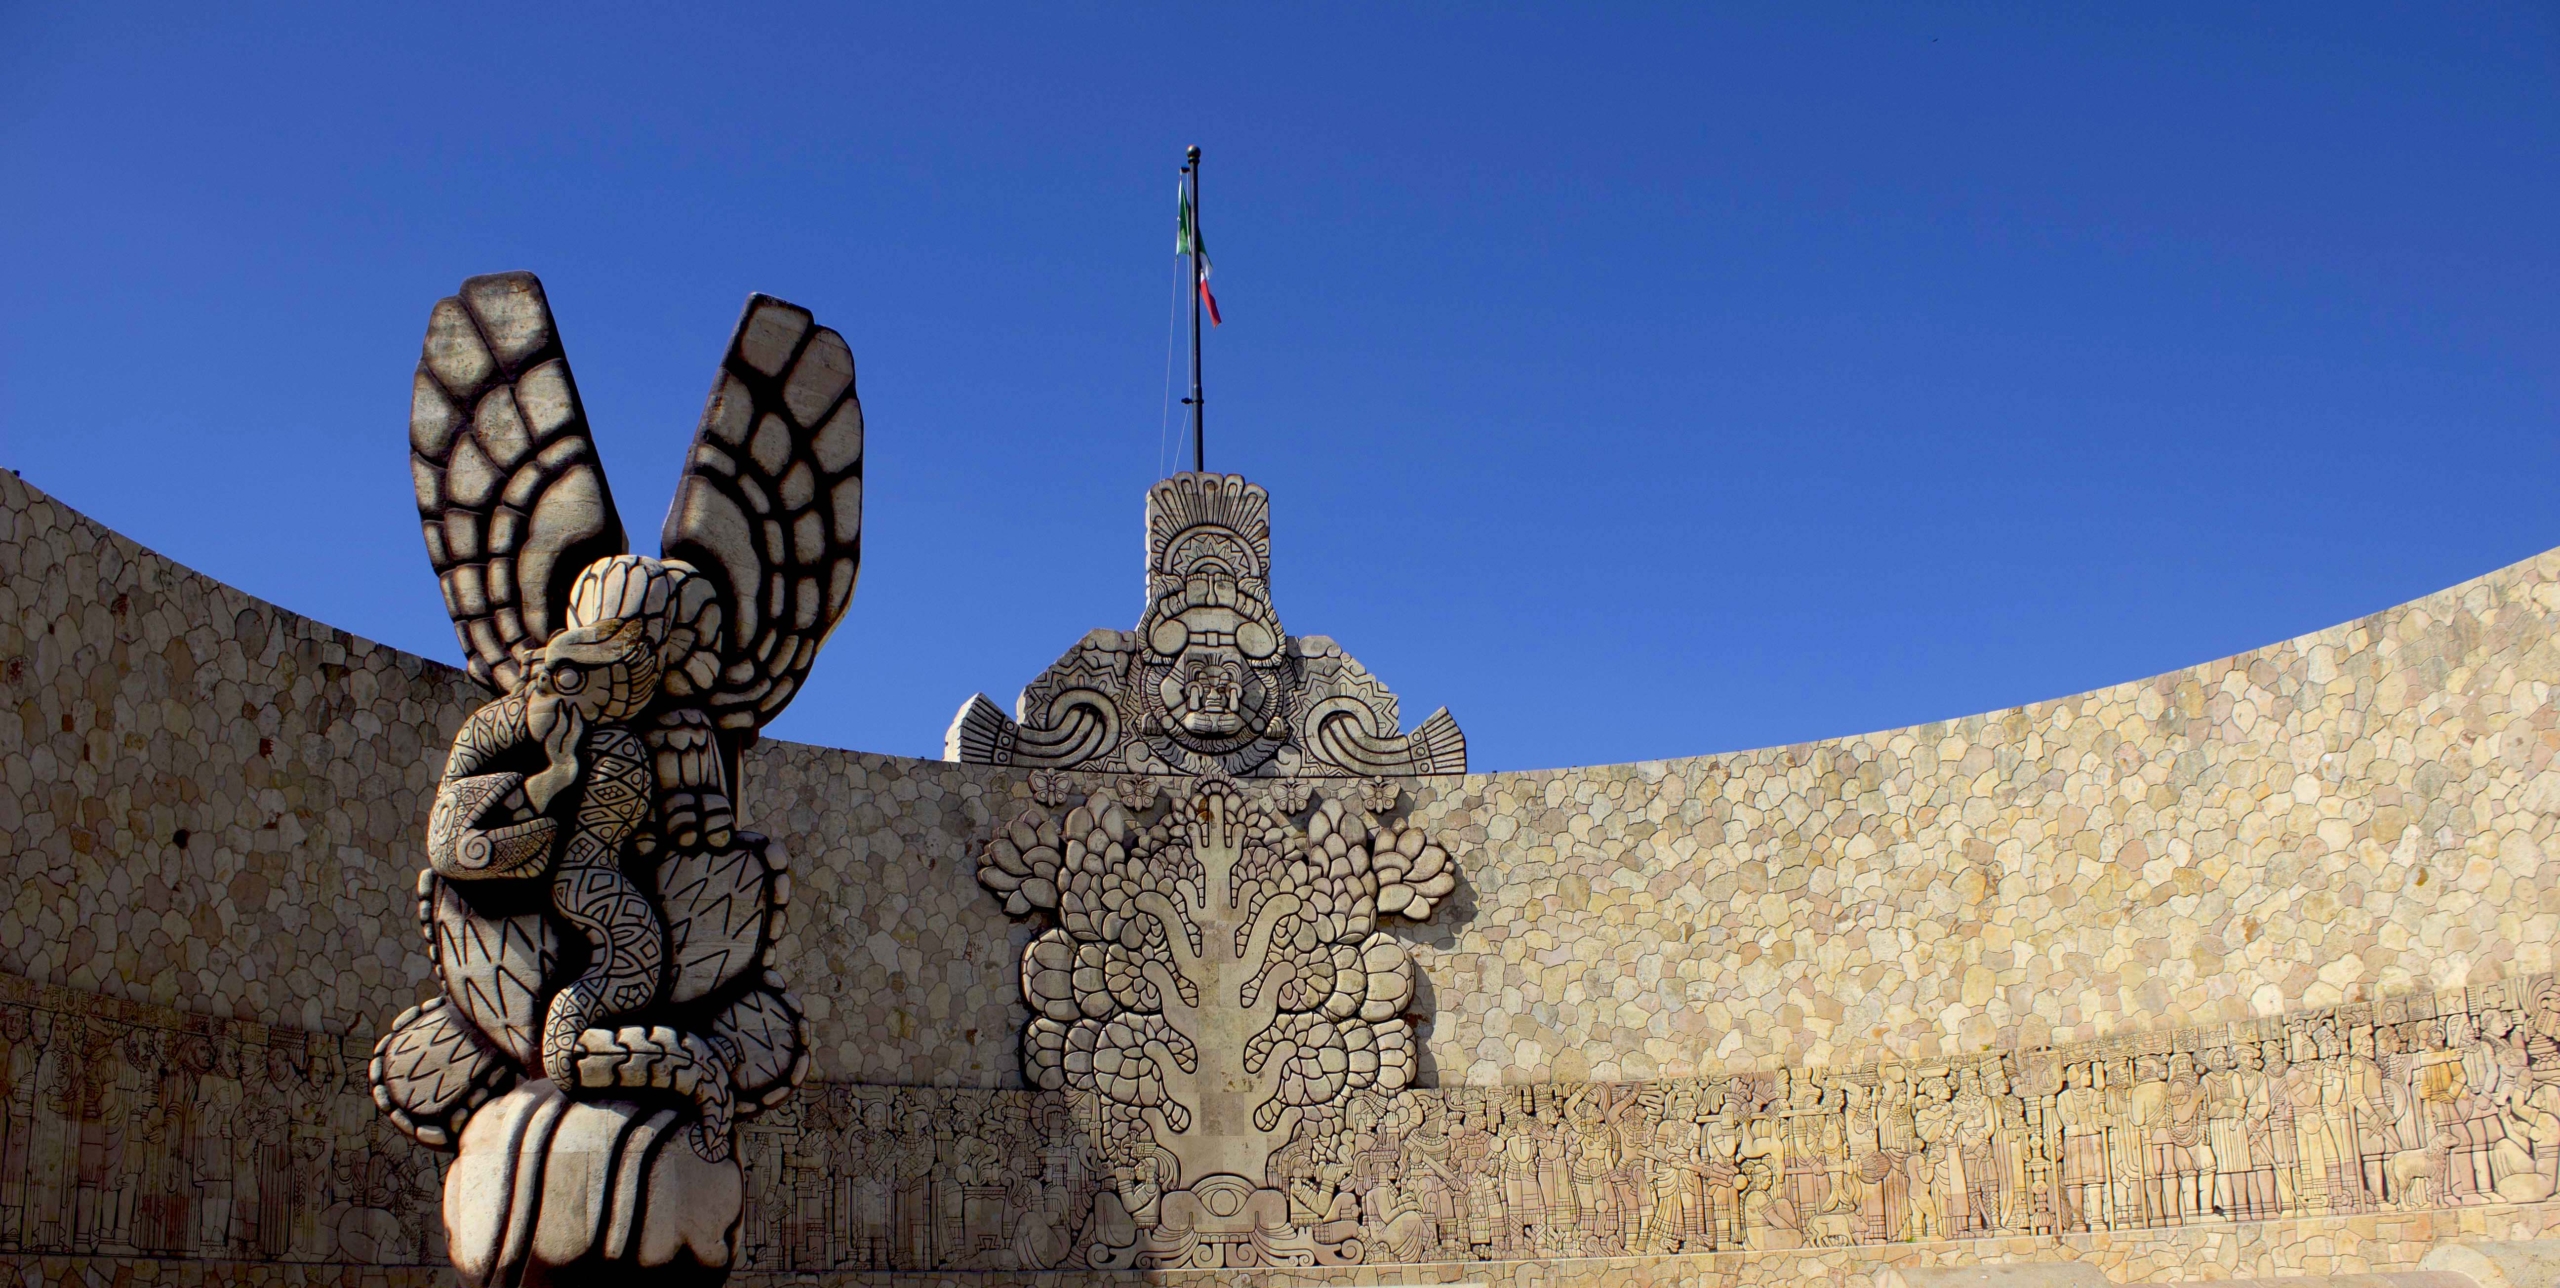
(601, 928)
(1208, 682)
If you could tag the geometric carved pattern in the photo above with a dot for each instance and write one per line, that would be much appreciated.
(510, 494)
(1208, 683)
(493, 968)
(770, 506)
(723, 909)
(583, 828)
(433, 1070)
(761, 1032)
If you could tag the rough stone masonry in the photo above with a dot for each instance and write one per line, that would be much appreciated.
(2238, 971)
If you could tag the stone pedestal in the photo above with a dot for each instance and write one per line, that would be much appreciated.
(553, 1191)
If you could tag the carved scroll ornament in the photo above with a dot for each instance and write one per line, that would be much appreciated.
(1208, 682)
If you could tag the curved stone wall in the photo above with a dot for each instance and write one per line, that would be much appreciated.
(213, 808)
(2365, 809)
(2362, 810)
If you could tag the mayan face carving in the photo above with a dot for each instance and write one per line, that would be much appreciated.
(601, 928)
(1217, 979)
(1208, 683)
(1212, 639)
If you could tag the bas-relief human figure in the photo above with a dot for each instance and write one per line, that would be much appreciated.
(601, 929)
(1018, 1179)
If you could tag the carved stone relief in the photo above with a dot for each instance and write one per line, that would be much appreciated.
(136, 1131)
(1213, 977)
(1208, 682)
(141, 1131)
(2410, 1104)
(601, 929)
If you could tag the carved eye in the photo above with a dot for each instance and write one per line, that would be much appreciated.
(567, 679)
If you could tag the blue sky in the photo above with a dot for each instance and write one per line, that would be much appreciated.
(1635, 381)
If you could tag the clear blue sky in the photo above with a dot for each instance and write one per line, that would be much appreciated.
(1634, 381)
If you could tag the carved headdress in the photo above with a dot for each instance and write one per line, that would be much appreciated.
(1208, 682)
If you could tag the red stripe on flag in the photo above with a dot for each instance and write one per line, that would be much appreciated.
(1212, 301)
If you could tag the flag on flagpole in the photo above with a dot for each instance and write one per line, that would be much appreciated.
(1187, 241)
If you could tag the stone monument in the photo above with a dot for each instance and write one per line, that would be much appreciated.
(1208, 682)
(1213, 983)
(2240, 972)
(601, 929)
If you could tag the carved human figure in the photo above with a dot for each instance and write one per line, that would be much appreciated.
(2521, 1162)
(100, 1099)
(2225, 1096)
(1430, 1172)
(1474, 1153)
(1594, 1164)
(1766, 1219)
(2081, 1109)
(1938, 1189)
(866, 1164)
(1676, 1172)
(2542, 1036)
(601, 929)
(911, 1169)
(163, 1192)
(1524, 1204)
(2011, 1140)
(20, 1052)
(1392, 1219)
(2181, 1151)
(1561, 1226)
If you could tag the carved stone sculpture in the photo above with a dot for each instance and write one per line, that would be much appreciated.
(1208, 682)
(1217, 980)
(601, 929)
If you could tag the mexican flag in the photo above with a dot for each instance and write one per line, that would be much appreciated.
(1187, 241)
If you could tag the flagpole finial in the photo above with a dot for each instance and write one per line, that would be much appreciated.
(1192, 154)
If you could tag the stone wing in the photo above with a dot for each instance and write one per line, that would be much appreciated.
(511, 496)
(770, 505)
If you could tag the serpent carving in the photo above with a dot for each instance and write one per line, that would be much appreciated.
(601, 929)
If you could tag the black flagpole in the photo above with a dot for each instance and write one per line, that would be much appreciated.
(1199, 439)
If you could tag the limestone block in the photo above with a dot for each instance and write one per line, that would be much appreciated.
(2052, 1274)
(2521, 1263)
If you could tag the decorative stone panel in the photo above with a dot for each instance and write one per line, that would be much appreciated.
(1208, 682)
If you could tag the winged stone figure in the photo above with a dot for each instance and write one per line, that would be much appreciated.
(601, 929)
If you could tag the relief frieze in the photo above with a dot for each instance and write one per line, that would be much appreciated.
(137, 1131)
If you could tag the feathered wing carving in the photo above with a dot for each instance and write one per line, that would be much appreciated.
(602, 934)
(511, 496)
(770, 507)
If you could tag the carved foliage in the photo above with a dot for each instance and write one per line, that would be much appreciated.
(1214, 976)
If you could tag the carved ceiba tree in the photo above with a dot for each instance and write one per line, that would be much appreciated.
(601, 929)
(1215, 979)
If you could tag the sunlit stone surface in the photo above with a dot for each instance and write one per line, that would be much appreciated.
(2242, 971)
